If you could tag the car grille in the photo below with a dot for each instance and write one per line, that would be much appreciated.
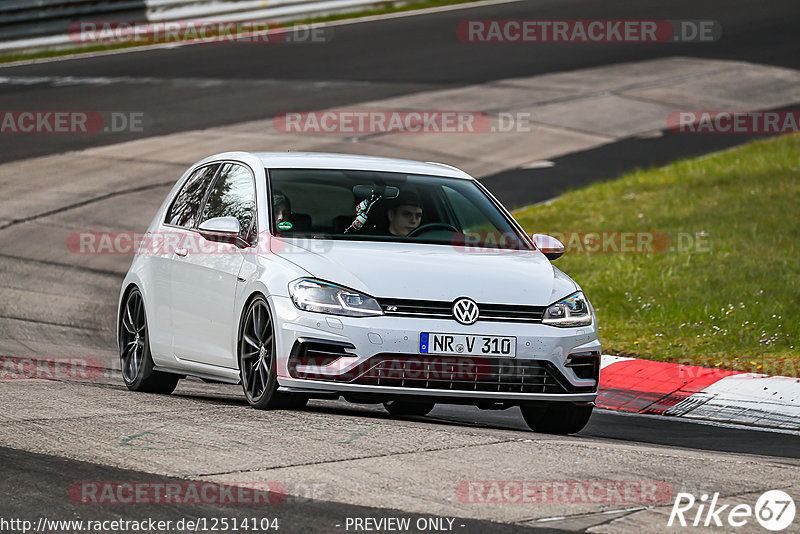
(455, 373)
(437, 309)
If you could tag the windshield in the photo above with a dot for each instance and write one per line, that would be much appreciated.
(384, 206)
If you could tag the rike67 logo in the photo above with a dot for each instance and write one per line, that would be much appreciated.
(774, 510)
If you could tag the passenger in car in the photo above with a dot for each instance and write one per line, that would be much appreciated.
(281, 208)
(404, 214)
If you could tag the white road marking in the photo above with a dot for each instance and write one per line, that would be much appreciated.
(540, 164)
(604, 512)
(653, 134)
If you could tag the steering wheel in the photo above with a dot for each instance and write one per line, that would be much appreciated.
(431, 226)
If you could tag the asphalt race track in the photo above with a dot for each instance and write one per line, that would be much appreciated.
(189, 88)
(56, 433)
(332, 456)
(36, 481)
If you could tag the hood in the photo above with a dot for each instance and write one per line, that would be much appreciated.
(430, 272)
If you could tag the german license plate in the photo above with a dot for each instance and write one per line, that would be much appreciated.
(467, 345)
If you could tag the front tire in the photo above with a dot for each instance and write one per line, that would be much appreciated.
(257, 360)
(407, 408)
(136, 362)
(557, 418)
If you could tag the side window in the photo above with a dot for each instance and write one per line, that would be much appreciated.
(185, 209)
(233, 195)
(320, 201)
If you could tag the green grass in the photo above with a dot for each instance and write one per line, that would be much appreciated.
(731, 302)
(390, 6)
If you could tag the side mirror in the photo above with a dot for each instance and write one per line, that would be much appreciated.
(551, 247)
(220, 227)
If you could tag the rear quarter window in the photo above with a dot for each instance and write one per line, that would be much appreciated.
(185, 208)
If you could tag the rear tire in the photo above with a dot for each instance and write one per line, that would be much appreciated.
(257, 361)
(557, 418)
(408, 408)
(136, 362)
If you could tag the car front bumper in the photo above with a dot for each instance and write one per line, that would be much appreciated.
(369, 342)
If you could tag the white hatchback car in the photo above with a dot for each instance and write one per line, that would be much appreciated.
(387, 281)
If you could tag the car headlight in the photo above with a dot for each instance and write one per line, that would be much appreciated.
(324, 297)
(571, 311)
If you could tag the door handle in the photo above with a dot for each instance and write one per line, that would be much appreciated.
(181, 252)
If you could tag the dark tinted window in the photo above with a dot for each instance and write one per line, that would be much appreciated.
(186, 206)
(233, 195)
(363, 205)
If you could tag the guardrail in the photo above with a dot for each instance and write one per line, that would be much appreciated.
(160, 10)
(27, 25)
(31, 18)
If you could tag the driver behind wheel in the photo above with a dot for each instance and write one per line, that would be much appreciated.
(405, 214)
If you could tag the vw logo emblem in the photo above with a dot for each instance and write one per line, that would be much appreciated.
(465, 310)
